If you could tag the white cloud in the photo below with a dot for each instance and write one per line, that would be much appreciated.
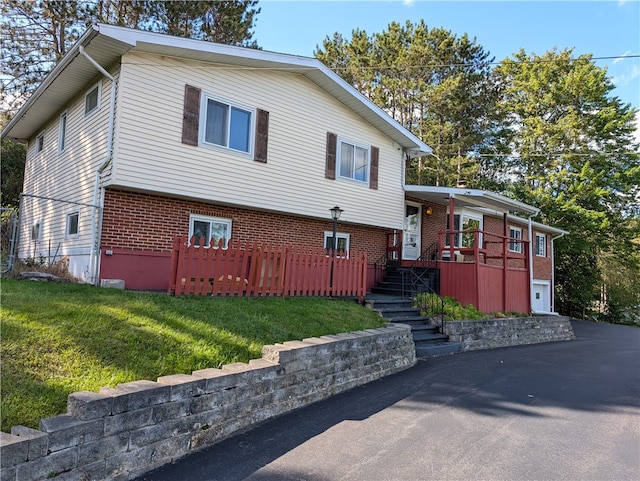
(622, 57)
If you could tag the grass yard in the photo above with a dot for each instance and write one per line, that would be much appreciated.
(61, 338)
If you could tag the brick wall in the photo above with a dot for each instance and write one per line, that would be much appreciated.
(150, 222)
(118, 434)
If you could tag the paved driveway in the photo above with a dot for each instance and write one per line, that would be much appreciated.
(557, 411)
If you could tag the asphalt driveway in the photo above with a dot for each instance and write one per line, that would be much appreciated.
(556, 411)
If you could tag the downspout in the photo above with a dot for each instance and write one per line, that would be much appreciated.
(530, 234)
(553, 273)
(97, 217)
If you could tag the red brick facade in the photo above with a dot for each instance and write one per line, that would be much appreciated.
(150, 222)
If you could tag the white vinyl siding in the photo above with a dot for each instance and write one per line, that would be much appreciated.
(65, 175)
(293, 180)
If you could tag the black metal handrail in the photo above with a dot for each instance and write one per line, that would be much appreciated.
(415, 282)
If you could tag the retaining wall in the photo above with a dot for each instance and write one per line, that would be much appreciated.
(493, 333)
(118, 434)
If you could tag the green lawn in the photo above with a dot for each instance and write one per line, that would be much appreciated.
(61, 338)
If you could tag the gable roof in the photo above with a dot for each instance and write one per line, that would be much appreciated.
(107, 43)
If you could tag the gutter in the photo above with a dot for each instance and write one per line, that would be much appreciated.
(553, 272)
(96, 227)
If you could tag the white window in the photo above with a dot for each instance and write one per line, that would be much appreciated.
(515, 235)
(465, 221)
(92, 100)
(62, 138)
(40, 142)
(342, 240)
(353, 160)
(227, 125)
(206, 229)
(72, 228)
(36, 231)
(541, 245)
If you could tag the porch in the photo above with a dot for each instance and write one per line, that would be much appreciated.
(479, 263)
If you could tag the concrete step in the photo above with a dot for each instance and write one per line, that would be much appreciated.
(433, 349)
(429, 336)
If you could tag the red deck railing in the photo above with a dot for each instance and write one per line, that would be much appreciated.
(256, 269)
(492, 277)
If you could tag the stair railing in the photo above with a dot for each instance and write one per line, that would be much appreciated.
(414, 283)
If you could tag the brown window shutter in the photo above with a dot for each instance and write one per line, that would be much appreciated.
(262, 136)
(191, 115)
(373, 172)
(330, 166)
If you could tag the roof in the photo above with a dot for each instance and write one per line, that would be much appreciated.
(469, 198)
(107, 43)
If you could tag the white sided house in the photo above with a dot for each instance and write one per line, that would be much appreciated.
(137, 137)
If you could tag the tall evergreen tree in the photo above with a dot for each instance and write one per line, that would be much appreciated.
(572, 154)
(431, 81)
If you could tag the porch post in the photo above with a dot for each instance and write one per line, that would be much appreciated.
(451, 238)
(505, 253)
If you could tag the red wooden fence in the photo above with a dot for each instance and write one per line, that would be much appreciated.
(255, 269)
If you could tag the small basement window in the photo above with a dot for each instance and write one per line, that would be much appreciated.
(205, 229)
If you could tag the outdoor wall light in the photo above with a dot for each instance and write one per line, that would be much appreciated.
(428, 211)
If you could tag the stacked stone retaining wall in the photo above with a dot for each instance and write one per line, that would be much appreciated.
(493, 333)
(118, 434)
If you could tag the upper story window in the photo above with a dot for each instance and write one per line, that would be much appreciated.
(62, 140)
(92, 99)
(515, 244)
(204, 229)
(227, 125)
(541, 245)
(40, 142)
(212, 121)
(348, 160)
(353, 161)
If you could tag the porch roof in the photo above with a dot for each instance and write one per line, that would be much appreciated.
(469, 198)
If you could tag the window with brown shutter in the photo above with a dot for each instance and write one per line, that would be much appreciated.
(330, 166)
(373, 174)
(191, 115)
(262, 136)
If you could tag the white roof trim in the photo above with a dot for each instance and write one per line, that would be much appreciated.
(470, 197)
(119, 40)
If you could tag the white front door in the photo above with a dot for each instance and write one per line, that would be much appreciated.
(541, 301)
(412, 227)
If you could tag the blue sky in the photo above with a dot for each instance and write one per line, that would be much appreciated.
(605, 28)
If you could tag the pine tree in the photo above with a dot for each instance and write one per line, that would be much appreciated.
(572, 154)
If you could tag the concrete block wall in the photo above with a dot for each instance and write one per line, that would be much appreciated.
(496, 333)
(120, 433)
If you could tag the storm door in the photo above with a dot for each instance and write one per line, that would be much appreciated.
(412, 226)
